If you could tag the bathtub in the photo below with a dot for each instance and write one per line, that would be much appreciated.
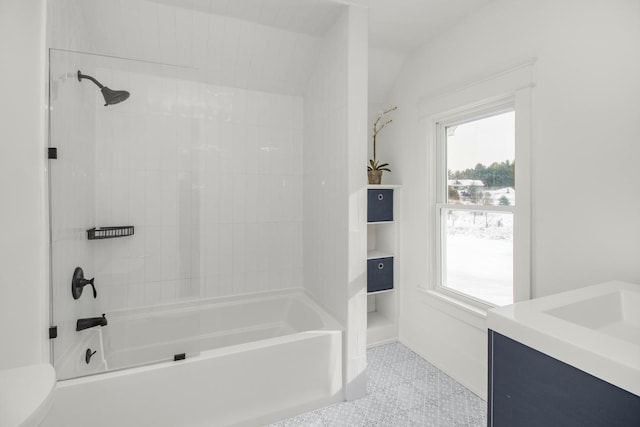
(248, 361)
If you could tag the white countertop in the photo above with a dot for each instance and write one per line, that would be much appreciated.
(26, 394)
(594, 329)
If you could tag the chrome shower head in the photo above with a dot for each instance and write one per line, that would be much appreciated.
(111, 97)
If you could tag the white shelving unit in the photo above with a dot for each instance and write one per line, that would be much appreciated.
(383, 306)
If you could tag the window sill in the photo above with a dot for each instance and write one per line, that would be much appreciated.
(448, 304)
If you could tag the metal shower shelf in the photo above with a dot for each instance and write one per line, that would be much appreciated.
(98, 233)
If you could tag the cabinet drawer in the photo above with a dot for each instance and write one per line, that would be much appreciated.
(380, 205)
(379, 274)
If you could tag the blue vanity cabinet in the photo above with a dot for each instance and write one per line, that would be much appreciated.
(527, 388)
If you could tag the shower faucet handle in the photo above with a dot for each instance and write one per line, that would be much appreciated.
(88, 355)
(90, 282)
(78, 282)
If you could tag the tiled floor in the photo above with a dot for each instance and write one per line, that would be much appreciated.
(403, 390)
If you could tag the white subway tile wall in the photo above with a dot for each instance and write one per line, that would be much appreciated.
(325, 164)
(217, 185)
(213, 188)
(275, 52)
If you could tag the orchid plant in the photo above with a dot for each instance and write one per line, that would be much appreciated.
(374, 165)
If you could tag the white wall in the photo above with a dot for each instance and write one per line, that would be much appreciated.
(585, 151)
(325, 174)
(334, 180)
(23, 271)
(383, 69)
(251, 172)
(226, 51)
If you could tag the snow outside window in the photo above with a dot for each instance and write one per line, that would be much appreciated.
(476, 206)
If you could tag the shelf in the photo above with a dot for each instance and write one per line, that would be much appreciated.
(386, 291)
(377, 320)
(378, 254)
(100, 233)
(380, 330)
(383, 186)
(383, 247)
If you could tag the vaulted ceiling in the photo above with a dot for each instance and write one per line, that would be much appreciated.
(396, 29)
(396, 25)
(405, 25)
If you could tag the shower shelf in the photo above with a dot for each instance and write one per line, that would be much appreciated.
(99, 233)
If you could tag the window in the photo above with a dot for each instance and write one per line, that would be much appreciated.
(476, 204)
(477, 209)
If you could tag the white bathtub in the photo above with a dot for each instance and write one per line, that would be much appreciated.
(249, 361)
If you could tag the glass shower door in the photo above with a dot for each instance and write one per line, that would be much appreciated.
(123, 212)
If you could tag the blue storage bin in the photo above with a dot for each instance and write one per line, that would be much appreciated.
(379, 274)
(380, 205)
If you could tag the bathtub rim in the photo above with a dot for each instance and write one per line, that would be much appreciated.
(329, 322)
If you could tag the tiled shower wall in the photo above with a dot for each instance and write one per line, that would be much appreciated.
(224, 50)
(325, 174)
(204, 159)
(211, 177)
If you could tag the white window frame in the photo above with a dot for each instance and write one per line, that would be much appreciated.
(511, 89)
(478, 112)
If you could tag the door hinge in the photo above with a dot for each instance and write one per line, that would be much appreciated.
(52, 153)
(53, 332)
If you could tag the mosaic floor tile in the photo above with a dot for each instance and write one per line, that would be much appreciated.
(404, 390)
(341, 414)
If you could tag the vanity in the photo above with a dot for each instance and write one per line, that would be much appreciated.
(570, 359)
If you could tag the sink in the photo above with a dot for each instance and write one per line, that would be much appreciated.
(595, 329)
(616, 314)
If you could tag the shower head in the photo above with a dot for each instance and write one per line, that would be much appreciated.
(114, 96)
(111, 97)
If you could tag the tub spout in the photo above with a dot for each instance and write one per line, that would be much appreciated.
(90, 322)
